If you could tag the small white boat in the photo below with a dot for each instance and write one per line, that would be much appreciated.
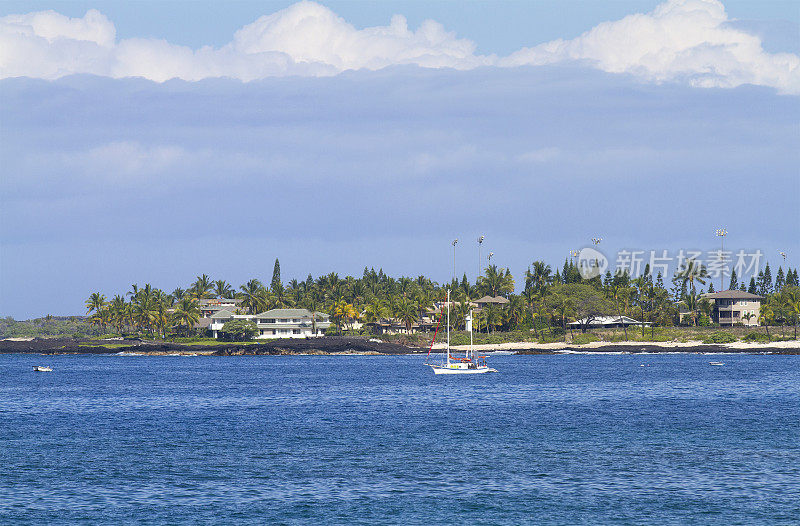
(42, 369)
(716, 363)
(470, 363)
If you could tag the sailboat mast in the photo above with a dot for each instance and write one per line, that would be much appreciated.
(448, 326)
(471, 350)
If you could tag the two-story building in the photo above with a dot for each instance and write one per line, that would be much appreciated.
(209, 306)
(732, 307)
(278, 323)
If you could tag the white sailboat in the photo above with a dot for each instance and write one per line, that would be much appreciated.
(470, 363)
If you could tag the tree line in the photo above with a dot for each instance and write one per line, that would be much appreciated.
(548, 301)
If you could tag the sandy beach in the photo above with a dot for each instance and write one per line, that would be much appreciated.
(688, 346)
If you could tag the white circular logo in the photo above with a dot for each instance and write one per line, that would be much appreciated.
(591, 263)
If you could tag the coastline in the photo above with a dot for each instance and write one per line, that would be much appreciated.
(689, 347)
(314, 346)
(340, 346)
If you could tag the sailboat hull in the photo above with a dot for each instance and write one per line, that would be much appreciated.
(438, 369)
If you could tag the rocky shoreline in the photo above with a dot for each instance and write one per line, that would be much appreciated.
(327, 345)
(661, 349)
(363, 346)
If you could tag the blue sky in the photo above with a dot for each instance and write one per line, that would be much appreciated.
(332, 158)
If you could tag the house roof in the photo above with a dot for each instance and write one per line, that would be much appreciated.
(218, 301)
(220, 314)
(202, 323)
(490, 299)
(732, 295)
(290, 313)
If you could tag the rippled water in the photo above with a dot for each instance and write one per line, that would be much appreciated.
(381, 440)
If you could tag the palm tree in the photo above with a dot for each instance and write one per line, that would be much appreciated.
(540, 278)
(406, 312)
(691, 302)
(134, 291)
(342, 312)
(187, 313)
(765, 316)
(222, 289)
(515, 311)
(790, 298)
(118, 308)
(496, 282)
(202, 287)
(253, 295)
(95, 303)
(692, 271)
(375, 311)
(143, 307)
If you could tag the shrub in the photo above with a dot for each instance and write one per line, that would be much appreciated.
(704, 321)
(720, 337)
(755, 337)
(583, 339)
(239, 330)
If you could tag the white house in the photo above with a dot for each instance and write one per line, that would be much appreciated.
(278, 323)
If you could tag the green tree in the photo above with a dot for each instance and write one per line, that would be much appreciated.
(790, 298)
(118, 309)
(187, 314)
(766, 316)
(406, 312)
(239, 330)
(734, 284)
(496, 282)
(222, 289)
(255, 298)
(202, 287)
(692, 272)
(95, 303)
(586, 302)
(276, 284)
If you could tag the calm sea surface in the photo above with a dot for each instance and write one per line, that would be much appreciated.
(380, 440)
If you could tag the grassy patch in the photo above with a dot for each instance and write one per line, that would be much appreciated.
(755, 337)
(106, 345)
(720, 337)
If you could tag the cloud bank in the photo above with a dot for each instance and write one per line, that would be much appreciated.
(681, 40)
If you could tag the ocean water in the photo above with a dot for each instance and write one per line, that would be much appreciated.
(569, 439)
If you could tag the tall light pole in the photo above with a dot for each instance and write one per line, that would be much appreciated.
(596, 241)
(455, 242)
(480, 242)
(721, 233)
(489, 258)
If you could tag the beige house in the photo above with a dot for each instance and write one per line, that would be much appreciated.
(732, 307)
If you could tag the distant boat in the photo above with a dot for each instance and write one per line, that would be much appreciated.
(716, 363)
(42, 369)
(469, 364)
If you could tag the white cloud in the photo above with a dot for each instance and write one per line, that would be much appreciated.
(683, 40)
(680, 39)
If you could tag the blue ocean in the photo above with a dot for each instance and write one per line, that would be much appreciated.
(560, 439)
